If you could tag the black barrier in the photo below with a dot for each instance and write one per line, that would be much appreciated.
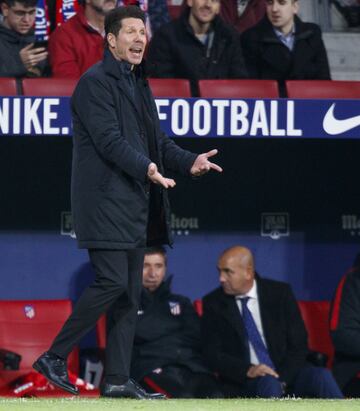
(313, 184)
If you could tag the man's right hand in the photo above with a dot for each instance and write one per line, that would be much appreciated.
(157, 178)
(260, 371)
(31, 56)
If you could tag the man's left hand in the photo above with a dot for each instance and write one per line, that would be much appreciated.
(202, 165)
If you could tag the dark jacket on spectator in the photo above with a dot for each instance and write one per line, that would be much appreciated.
(167, 333)
(268, 58)
(345, 327)
(175, 52)
(11, 43)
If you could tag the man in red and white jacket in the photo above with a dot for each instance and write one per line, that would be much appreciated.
(79, 43)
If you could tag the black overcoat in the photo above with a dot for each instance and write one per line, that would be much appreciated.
(267, 57)
(224, 337)
(110, 190)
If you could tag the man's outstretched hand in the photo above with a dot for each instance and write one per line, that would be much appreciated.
(157, 178)
(202, 165)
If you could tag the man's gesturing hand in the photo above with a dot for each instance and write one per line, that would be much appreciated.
(158, 178)
(202, 165)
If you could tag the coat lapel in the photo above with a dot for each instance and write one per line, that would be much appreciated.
(112, 68)
(232, 315)
(268, 320)
(302, 48)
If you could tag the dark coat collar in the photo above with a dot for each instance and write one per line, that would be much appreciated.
(12, 36)
(302, 30)
(119, 69)
(232, 314)
(161, 293)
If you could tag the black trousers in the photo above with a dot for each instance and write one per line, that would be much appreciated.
(115, 291)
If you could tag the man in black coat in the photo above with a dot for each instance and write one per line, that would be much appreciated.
(254, 337)
(345, 331)
(119, 200)
(282, 47)
(197, 45)
(167, 349)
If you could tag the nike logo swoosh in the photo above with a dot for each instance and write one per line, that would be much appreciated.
(334, 126)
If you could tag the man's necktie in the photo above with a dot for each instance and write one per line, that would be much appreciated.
(254, 335)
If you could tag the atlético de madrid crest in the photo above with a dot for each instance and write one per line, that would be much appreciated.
(175, 307)
(29, 311)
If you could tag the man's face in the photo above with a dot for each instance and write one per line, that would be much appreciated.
(101, 6)
(235, 278)
(129, 44)
(204, 11)
(18, 17)
(153, 271)
(281, 12)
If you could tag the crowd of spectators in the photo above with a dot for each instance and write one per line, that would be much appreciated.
(210, 39)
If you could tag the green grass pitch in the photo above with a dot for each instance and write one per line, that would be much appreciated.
(83, 404)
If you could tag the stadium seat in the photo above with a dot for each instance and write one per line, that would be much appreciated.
(8, 86)
(323, 89)
(28, 328)
(57, 87)
(170, 87)
(316, 318)
(238, 88)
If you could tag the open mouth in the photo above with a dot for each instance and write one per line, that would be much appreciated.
(137, 51)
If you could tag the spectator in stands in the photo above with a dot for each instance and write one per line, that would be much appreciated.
(166, 352)
(254, 336)
(242, 14)
(19, 57)
(349, 10)
(79, 43)
(157, 12)
(197, 45)
(282, 47)
(345, 331)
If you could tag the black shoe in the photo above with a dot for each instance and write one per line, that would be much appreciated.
(128, 390)
(54, 369)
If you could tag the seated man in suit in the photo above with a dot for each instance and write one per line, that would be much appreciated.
(345, 331)
(282, 47)
(166, 354)
(254, 337)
